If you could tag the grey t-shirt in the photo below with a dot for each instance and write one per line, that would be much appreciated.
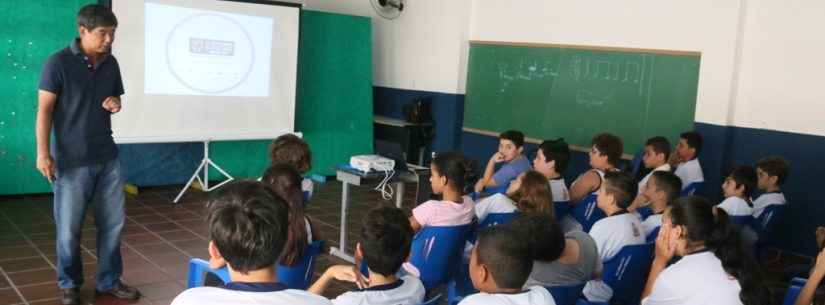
(558, 274)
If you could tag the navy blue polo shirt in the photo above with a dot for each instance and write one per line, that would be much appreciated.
(82, 128)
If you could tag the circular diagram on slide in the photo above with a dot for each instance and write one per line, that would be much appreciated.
(210, 53)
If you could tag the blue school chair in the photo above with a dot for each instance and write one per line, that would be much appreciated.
(437, 251)
(767, 219)
(565, 295)
(433, 301)
(793, 291)
(587, 213)
(626, 273)
(691, 188)
(645, 212)
(494, 219)
(297, 276)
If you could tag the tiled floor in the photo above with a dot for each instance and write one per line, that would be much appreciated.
(158, 240)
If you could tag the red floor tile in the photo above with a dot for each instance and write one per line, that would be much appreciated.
(25, 264)
(9, 296)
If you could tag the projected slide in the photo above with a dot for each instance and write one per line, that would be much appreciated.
(201, 52)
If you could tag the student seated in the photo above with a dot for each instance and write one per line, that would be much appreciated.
(285, 180)
(499, 266)
(386, 236)
(657, 152)
(605, 155)
(737, 188)
(449, 174)
(714, 269)
(250, 250)
(292, 149)
(528, 193)
(771, 173)
(662, 188)
(686, 161)
(559, 259)
(615, 231)
(551, 160)
(510, 149)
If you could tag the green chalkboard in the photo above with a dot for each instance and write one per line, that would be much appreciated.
(334, 108)
(550, 91)
(30, 31)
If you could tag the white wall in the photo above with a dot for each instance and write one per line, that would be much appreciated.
(420, 50)
(783, 70)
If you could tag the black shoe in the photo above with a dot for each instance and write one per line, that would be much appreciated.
(70, 296)
(121, 291)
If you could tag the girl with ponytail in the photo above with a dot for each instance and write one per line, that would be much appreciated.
(714, 269)
(450, 175)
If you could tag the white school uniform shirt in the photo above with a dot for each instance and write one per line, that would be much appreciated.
(643, 183)
(611, 234)
(736, 206)
(273, 294)
(497, 203)
(765, 200)
(559, 190)
(651, 223)
(696, 279)
(535, 295)
(689, 172)
(408, 290)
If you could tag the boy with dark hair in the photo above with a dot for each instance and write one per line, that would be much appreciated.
(510, 151)
(771, 173)
(500, 263)
(615, 231)
(386, 236)
(737, 188)
(551, 160)
(686, 161)
(247, 230)
(662, 189)
(559, 258)
(656, 154)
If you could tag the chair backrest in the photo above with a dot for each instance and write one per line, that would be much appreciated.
(433, 301)
(636, 164)
(494, 219)
(768, 217)
(565, 295)
(198, 268)
(651, 238)
(793, 291)
(587, 213)
(645, 212)
(562, 208)
(299, 275)
(436, 251)
(743, 220)
(626, 273)
(690, 188)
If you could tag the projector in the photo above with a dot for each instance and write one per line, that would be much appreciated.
(365, 163)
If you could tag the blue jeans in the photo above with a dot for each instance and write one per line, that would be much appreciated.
(74, 189)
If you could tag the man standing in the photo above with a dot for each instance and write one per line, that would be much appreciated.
(79, 90)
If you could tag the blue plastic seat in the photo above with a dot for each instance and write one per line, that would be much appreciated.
(494, 219)
(626, 273)
(793, 291)
(645, 212)
(565, 295)
(562, 208)
(297, 276)
(437, 251)
(587, 213)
